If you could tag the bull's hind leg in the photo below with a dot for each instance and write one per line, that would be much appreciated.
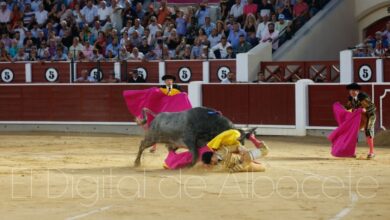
(144, 144)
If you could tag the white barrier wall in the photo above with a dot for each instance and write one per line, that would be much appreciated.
(248, 64)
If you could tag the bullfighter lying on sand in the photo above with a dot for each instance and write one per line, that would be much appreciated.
(226, 148)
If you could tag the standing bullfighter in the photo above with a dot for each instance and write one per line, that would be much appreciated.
(358, 99)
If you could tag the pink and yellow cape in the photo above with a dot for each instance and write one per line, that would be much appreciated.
(344, 138)
(155, 100)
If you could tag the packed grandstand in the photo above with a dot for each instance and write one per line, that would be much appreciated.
(50, 30)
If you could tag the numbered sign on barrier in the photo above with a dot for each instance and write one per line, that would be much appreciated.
(185, 74)
(222, 72)
(51, 75)
(365, 73)
(7, 75)
(96, 73)
(142, 72)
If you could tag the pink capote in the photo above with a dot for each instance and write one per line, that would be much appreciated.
(156, 101)
(179, 160)
(344, 138)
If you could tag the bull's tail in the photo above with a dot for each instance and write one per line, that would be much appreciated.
(145, 111)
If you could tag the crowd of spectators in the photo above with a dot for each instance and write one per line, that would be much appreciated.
(375, 46)
(90, 30)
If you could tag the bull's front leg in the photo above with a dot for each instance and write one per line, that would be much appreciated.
(144, 144)
(195, 155)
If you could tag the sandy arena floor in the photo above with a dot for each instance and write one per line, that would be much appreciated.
(52, 176)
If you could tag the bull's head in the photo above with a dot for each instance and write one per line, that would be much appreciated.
(245, 134)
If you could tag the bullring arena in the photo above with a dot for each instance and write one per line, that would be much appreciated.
(69, 134)
(73, 176)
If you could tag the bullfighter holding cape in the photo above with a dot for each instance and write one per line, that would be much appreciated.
(146, 104)
(358, 113)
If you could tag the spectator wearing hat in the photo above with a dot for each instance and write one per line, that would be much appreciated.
(234, 35)
(135, 77)
(5, 13)
(358, 99)
(281, 24)
(243, 45)
(170, 88)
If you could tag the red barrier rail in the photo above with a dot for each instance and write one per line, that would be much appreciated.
(320, 71)
(66, 102)
(364, 69)
(253, 103)
(322, 97)
(386, 70)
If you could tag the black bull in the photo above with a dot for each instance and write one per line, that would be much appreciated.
(193, 128)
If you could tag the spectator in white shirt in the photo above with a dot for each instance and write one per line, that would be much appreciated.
(262, 27)
(124, 54)
(89, 13)
(237, 10)
(75, 48)
(154, 26)
(222, 47)
(136, 55)
(5, 13)
(104, 12)
(271, 35)
(41, 16)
